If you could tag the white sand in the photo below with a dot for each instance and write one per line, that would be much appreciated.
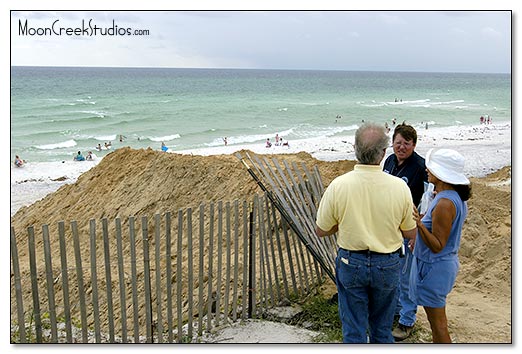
(487, 148)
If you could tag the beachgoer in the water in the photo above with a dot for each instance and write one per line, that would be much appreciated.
(79, 157)
(18, 161)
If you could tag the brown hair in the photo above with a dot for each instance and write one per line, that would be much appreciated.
(406, 131)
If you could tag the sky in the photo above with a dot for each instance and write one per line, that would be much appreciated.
(427, 41)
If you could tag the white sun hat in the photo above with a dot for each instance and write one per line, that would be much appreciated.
(447, 165)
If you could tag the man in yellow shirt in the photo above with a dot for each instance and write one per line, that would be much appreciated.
(372, 212)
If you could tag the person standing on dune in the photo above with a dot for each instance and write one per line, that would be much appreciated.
(371, 212)
(409, 166)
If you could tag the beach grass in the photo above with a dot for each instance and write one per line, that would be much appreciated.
(320, 314)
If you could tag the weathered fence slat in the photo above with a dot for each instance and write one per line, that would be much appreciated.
(262, 272)
(219, 261)
(246, 212)
(134, 280)
(200, 267)
(269, 294)
(79, 277)
(252, 264)
(272, 250)
(190, 271)
(210, 294)
(18, 288)
(121, 281)
(227, 268)
(94, 283)
(289, 255)
(50, 283)
(157, 263)
(179, 275)
(236, 260)
(303, 190)
(279, 250)
(146, 279)
(34, 285)
(108, 278)
(298, 262)
(168, 278)
(65, 282)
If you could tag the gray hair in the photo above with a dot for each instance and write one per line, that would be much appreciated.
(370, 141)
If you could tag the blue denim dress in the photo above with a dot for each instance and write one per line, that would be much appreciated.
(433, 274)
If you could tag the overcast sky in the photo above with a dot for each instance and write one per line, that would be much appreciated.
(440, 41)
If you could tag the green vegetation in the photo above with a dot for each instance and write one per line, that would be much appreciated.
(320, 314)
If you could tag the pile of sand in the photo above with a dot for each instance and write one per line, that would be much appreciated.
(144, 182)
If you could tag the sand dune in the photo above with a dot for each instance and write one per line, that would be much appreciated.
(143, 182)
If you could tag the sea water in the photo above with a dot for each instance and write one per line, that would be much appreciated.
(58, 111)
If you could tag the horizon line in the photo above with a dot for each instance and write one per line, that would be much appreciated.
(260, 69)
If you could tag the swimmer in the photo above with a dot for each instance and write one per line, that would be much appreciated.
(18, 162)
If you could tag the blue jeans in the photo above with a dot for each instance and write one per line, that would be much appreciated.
(367, 287)
(406, 308)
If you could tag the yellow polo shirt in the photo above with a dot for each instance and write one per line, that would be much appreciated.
(370, 207)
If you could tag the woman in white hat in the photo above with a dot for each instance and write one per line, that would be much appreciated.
(436, 263)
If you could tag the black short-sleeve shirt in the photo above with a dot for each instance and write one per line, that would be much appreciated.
(412, 171)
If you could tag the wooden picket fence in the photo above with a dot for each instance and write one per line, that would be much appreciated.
(181, 277)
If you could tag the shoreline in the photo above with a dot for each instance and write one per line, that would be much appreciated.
(486, 148)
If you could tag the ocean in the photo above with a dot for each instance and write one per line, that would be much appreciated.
(57, 111)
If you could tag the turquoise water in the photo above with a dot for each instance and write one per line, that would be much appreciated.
(57, 111)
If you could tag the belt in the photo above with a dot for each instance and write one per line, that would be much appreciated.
(369, 253)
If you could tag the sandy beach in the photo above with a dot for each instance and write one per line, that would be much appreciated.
(479, 308)
(487, 148)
